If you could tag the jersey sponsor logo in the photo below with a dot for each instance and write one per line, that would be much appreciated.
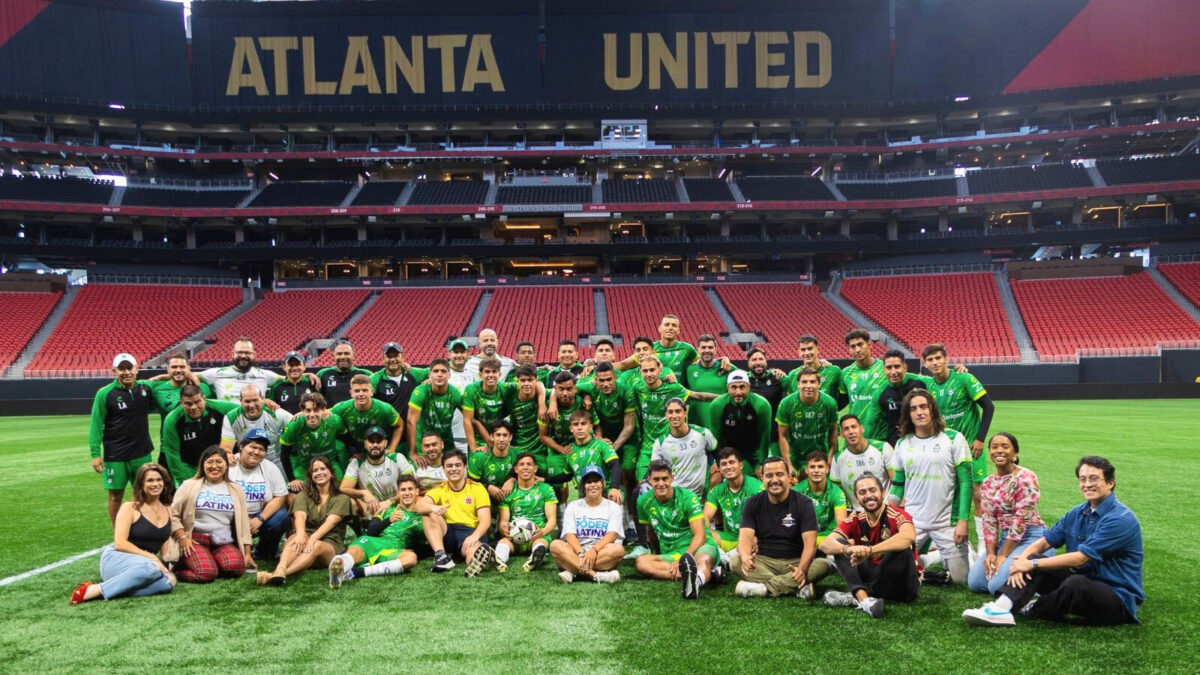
(332, 381)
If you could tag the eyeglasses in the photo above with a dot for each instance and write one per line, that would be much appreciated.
(1091, 480)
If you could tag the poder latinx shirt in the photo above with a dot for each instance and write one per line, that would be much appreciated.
(589, 524)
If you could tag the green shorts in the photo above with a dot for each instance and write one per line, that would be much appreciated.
(527, 547)
(979, 468)
(629, 456)
(727, 545)
(709, 547)
(118, 474)
(379, 549)
(553, 464)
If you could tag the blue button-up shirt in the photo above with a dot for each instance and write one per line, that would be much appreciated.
(1111, 536)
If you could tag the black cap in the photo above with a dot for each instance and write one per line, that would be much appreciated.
(392, 345)
(375, 431)
(293, 355)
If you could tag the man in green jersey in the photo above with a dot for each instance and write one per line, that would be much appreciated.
(728, 497)
(526, 356)
(862, 382)
(119, 439)
(706, 374)
(315, 431)
(335, 380)
(828, 500)
(395, 382)
(526, 406)
(587, 450)
(296, 383)
(179, 375)
(617, 423)
(967, 409)
(389, 550)
(649, 397)
(432, 408)
(742, 420)
(483, 405)
(672, 352)
(807, 421)
(534, 501)
(556, 435)
(686, 551)
(363, 411)
(492, 466)
(190, 429)
(568, 361)
(810, 355)
(899, 383)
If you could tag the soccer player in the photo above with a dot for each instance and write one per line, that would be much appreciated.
(483, 404)
(431, 475)
(295, 384)
(672, 352)
(706, 374)
(178, 375)
(488, 343)
(1098, 577)
(810, 356)
(535, 501)
(968, 410)
(931, 475)
(587, 450)
(363, 412)
(859, 455)
(335, 380)
(568, 361)
(227, 381)
(375, 478)
(899, 383)
(742, 420)
(556, 436)
(630, 368)
(315, 431)
(777, 540)
(828, 500)
(862, 381)
(432, 408)
(605, 352)
(590, 546)
(807, 421)
(266, 492)
(649, 397)
(253, 414)
(687, 448)
(526, 405)
(526, 354)
(119, 439)
(390, 551)
(464, 517)
(616, 417)
(686, 551)
(728, 498)
(190, 429)
(874, 552)
(493, 466)
(395, 382)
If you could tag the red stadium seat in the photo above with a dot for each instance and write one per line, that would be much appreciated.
(637, 310)
(782, 312)
(543, 315)
(24, 314)
(1185, 277)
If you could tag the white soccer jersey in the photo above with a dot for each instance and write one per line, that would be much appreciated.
(227, 381)
(688, 456)
(472, 366)
(848, 466)
(381, 479)
(430, 477)
(236, 426)
(929, 478)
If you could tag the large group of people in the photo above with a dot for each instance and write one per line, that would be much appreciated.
(672, 458)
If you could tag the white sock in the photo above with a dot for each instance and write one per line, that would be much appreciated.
(502, 552)
(347, 562)
(979, 530)
(540, 543)
(1003, 603)
(930, 559)
(703, 576)
(383, 568)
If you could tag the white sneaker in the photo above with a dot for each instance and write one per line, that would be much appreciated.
(840, 599)
(750, 589)
(872, 606)
(566, 577)
(988, 615)
(637, 552)
(805, 592)
(609, 577)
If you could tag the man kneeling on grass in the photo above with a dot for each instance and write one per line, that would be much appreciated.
(687, 553)
(591, 544)
(386, 548)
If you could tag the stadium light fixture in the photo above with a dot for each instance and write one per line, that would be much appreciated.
(117, 106)
(961, 99)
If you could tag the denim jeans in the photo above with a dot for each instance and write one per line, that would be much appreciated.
(130, 574)
(269, 534)
(977, 580)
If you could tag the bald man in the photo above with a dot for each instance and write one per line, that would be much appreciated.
(489, 347)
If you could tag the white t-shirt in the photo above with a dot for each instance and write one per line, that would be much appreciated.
(472, 366)
(214, 507)
(688, 456)
(848, 466)
(929, 478)
(227, 381)
(381, 479)
(236, 426)
(261, 484)
(589, 524)
(430, 477)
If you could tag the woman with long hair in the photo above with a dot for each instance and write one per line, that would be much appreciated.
(208, 517)
(132, 564)
(1009, 508)
(319, 514)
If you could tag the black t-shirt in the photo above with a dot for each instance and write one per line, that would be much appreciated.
(287, 394)
(889, 402)
(771, 388)
(779, 527)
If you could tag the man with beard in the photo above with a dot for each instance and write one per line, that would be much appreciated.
(431, 475)
(227, 381)
(807, 422)
(363, 412)
(296, 383)
(742, 420)
(706, 374)
(253, 414)
(432, 408)
(395, 382)
(390, 549)
(190, 429)
(119, 439)
(777, 540)
(489, 348)
(335, 380)
(166, 387)
(374, 479)
(874, 552)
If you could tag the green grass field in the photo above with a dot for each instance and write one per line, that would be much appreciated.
(53, 507)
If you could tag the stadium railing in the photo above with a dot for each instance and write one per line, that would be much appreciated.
(924, 269)
(1117, 352)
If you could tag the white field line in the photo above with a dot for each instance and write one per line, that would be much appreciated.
(46, 568)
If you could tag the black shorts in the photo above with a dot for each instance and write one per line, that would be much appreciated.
(455, 535)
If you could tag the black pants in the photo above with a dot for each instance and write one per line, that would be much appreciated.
(1067, 594)
(894, 578)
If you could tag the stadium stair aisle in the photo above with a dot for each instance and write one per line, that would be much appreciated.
(195, 341)
(543, 315)
(342, 328)
(782, 312)
(1016, 322)
(1182, 282)
(26, 314)
(860, 320)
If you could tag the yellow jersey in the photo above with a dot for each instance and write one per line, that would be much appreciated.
(463, 504)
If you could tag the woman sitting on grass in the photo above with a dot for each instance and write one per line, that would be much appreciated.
(209, 519)
(1009, 508)
(319, 513)
(131, 565)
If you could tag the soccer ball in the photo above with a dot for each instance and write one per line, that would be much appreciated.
(522, 530)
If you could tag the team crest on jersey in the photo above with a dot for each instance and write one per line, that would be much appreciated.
(468, 500)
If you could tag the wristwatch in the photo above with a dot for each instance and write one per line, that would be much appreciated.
(1035, 562)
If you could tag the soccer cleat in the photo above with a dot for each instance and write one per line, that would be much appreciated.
(336, 568)
(77, 596)
(805, 592)
(443, 564)
(637, 552)
(750, 589)
(566, 577)
(840, 599)
(1024, 611)
(872, 606)
(988, 615)
(609, 577)
(689, 577)
(535, 559)
(501, 566)
(483, 556)
(935, 577)
(720, 573)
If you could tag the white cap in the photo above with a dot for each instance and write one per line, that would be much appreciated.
(123, 357)
(738, 376)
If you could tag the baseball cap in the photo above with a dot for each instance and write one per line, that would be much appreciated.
(738, 376)
(122, 358)
(293, 355)
(459, 343)
(392, 345)
(591, 470)
(257, 435)
(375, 431)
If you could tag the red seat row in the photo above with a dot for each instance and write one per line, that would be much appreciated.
(543, 315)
(24, 314)
(783, 312)
(635, 311)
